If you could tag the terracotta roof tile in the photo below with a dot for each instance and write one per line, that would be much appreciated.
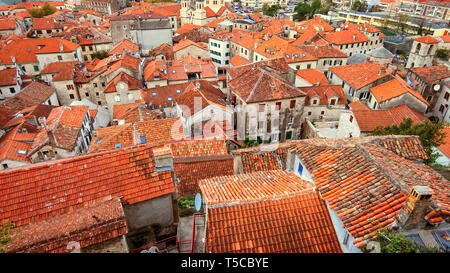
(364, 183)
(445, 148)
(346, 37)
(37, 192)
(238, 60)
(124, 45)
(190, 170)
(313, 76)
(154, 131)
(133, 112)
(359, 75)
(87, 226)
(433, 73)
(252, 187)
(299, 224)
(368, 120)
(426, 40)
(35, 93)
(8, 77)
(394, 88)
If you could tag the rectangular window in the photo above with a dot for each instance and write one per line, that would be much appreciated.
(351, 118)
(60, 58)
(446, 95)
(36, 68)
(333, 102)
(288, 134)
(292, 104)
(262, 107)
(12, 90)
(71, 96)
(278, 106)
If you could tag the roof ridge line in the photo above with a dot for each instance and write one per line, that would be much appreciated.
(256, 84)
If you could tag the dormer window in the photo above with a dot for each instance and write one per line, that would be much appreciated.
(333, 102)
(314, 101)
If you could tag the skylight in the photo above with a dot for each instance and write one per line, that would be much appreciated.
(22, 152)
(169, 98)
(118, 146)
(178, 91)
(143, 139)
(153, 94)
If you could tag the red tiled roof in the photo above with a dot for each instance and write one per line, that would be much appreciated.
(198, 148)
(13, 142)
(432, 73)
(186, 28)
(63, 70)
(193, 169)
(37, 192)
(208, 94)
(45, 23)
(25, 50)
(324, 94)
(34, 93)
(133, 83)
(426, 40)
(359, 75)
(445, 38)
(276, 47)
(364, 183)
(313, 76)
(445, 148)
(256, 84)
(133, 112)
(346, 37)
(155, 131)
(393, 89)
(186, 43)
(53, 235)
(263, 158)
(324, 51)
(162, 93)
(8, 77)
(252, 187)
(126, 45)
(6, 24)
(238, 60)
(368, 120)
(358, 106)
(299, 224)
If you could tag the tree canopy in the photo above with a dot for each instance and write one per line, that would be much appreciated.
(359, 6)
(102, 54)
(272, 10)
(305, 10)
(430, 133)
(46, 9)
(5, 235)
(396, 243)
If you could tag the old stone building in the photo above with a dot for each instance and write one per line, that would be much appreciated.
(422, 52)
(149, 31)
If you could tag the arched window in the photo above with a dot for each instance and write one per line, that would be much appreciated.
(430, 49)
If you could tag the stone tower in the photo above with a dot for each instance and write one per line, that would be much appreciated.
(422, 52)
(185, 12)
(199, 13)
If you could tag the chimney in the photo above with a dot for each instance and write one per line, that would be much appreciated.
(415, 209)
(354, 36)
(382, 70)
(163, 158)
(61, 48)
(42, 121)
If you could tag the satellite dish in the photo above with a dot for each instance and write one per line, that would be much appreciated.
(198, 202)
(436, 87)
